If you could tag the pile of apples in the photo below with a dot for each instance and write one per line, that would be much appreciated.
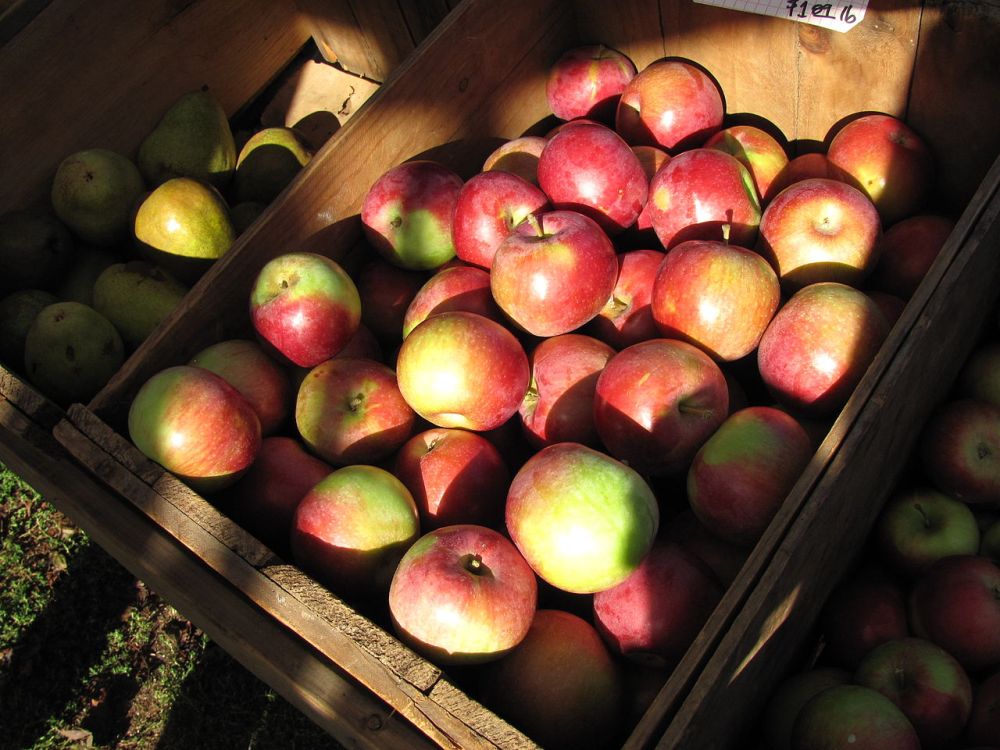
(540, 426)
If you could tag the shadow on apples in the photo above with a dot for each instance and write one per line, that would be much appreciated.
(757, 121)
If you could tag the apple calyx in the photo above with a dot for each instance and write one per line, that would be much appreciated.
(473, 563)
(983, 450)
(355, 402)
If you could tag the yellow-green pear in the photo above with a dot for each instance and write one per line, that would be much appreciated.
(94, 192)
(183, 226)
(193, 139)
(77, 284)
(136, 297)
(268, 162)
(18, 311)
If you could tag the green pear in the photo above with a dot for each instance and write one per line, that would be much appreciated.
(136, 297)
(94, 193)
(18, 311)
(268, 162)
(193, 139)
(77, 284)
(71, 351)
(184, 226)
(35, 250)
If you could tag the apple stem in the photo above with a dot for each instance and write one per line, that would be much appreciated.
(726, 229)
(535, 224)
(923, 514)
(900, 675)
(474, 564)
(698, 411)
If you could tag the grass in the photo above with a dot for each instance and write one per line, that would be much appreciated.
(90, 657)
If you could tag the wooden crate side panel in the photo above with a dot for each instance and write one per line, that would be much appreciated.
(100, 74)
(274, 653)
(633, 27)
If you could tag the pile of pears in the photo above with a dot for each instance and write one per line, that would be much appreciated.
(85, 279)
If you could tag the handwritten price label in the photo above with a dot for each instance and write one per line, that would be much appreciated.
(839, 16)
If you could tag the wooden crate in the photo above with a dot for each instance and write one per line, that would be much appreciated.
(477, 80)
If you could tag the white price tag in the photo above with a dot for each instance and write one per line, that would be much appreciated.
(839, 15)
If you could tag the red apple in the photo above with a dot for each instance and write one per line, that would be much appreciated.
(887, 160)
(891, 306)
(927, 684)
(819, 345)
(979, 377)
(654, 615)
(820, 230)
(921, 525)
(305, 306)
(758, 151)
(560, 686)
(488, 208)
(459, 369)
(717, 296)
(590, 169)
(804, 167)
(350, 411)
(907, 250)
(672, 104)
(195, 425)
(627, 317)
(456, 288)
(250, 370)
(407, 214)
(956, 604)
(852, 716)
(363, 344)
(642, 234)
(554, 274)
(462, 595)
(587, 81)
(657, 402)
(959, 449)
(698, 193)
(788, 698)
(518, 156)
(724, 558)
(984, 722)
(741, 475)
(455, 476)
(559, 404)
(582, 520)
(352, 528)
(386, 292)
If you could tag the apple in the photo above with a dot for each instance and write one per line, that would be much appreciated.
(741, 475)
(818, 346)
(863, 611)
(984, 722)
(249, 369)
(386, 292)
(462, 594)
(305, 306)
(804, 167)
(758, 151)
(465, 288)
(891, 306)
(654, 615)
(907, 250)
(672, 104)
(989, 545)
(266, 496)
(627, 316)
(979, 377)
(641, 234)
(927, 684)
(723, 557)
(350, 411)
(555, 273)
(561, 686)
(488, 208)
(459, 369)
(590, 169)
(195, 425)
(559, 404)
(455, 476)
(698, 193)
(352, 528)
(955, 603)
(363, 344)
(717, 296)
(518, 156)
(852, 716)
(587, 81)
(657, 402)
(886, 159)
(921, 525)
(820, 230)
(407, 214)
(583, 520)
(959, 448)
(788, 698)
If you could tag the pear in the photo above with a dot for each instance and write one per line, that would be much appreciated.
(18, 311)
(192, 139)
(35, 250)
(77, 284)
(94, 192)
(136, 297)
(183, 226)
(71, 351)
(268, 162)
